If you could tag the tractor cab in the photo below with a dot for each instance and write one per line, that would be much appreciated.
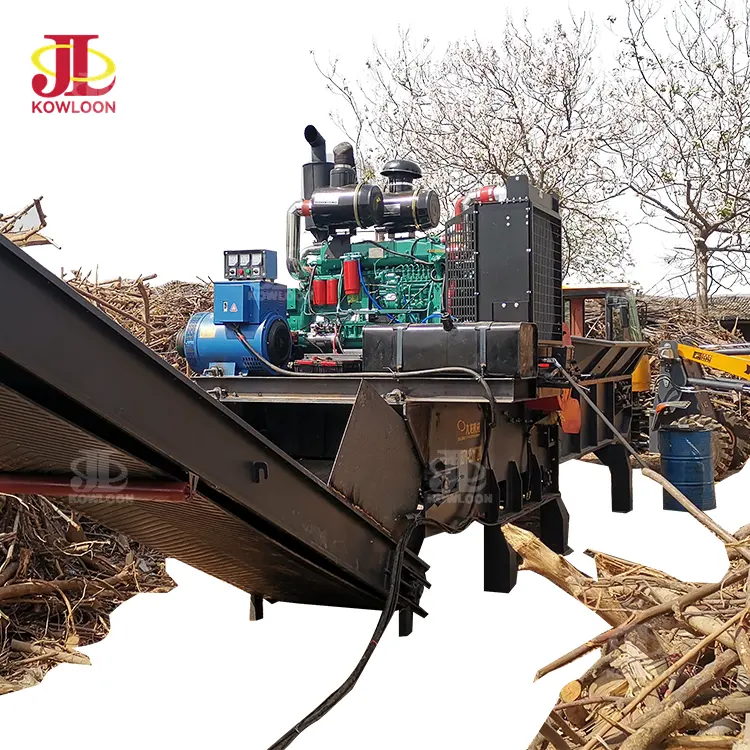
(599, 311)
(612, 312)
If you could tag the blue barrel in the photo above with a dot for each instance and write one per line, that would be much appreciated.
(687, 462)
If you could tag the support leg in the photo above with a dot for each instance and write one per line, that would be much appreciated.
(535, 479)
(617, 460)
(554, 525)
(405, 622)
(500, 562)
(513, 489)
(256, 607)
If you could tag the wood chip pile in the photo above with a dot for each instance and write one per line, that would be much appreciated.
(674, 668)
(60, 574)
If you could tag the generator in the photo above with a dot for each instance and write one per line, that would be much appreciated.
(248, 307)
(405, 298)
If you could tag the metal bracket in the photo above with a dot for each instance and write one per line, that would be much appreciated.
(258, 468)
(192, 484)
(666, 407)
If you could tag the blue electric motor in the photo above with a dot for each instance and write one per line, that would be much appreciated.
(254, 309)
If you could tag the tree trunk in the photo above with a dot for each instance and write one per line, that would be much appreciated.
(701, 278)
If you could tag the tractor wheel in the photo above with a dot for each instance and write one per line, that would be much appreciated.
(739, 431)
(722, 441)
(639, 422)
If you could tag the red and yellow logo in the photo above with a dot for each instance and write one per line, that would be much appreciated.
(69, 75)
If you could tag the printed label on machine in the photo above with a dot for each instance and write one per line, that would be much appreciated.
(207, 332)
(327, 199)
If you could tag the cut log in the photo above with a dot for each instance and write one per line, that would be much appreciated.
(555, 568)
(699, 622)
(656, 729)
(691, 742)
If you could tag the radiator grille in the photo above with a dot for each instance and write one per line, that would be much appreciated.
(546, 260)
(461, 267)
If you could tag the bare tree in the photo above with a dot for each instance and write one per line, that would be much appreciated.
(683, 94)
(476, 114)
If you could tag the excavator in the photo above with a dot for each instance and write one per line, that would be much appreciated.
(682, 392)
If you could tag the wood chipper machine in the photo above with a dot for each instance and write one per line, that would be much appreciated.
(408, 382)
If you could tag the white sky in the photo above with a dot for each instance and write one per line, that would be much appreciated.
(205, 149)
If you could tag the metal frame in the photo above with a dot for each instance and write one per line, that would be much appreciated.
(339, 390)
(71, 366)
(72, 360)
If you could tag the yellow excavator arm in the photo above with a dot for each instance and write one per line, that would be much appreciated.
(733, 364)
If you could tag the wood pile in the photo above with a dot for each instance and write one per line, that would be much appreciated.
(667, 318)
(666, 321)
(60, 577)
(674, 667)
(24, 227)
(152, 313)
(60, 574)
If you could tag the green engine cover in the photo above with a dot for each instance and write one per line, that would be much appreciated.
(401, 282)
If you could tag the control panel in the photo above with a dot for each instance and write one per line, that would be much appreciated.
(250, 265)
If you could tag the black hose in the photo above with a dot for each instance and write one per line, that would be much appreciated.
(385, 617)
(391, 374)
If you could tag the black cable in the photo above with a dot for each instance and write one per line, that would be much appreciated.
(391, 374)
(385, 617)
(445, 318)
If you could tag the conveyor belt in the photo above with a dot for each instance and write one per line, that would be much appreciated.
(73, 384)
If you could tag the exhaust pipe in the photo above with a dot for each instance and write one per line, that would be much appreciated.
(316, 174)
(293, 232)
(317, 144)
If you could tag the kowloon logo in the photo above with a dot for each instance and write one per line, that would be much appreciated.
(69, 76)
